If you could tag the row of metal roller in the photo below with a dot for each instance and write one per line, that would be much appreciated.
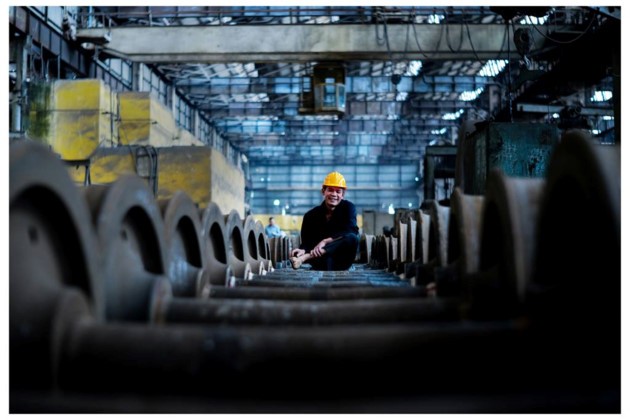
(522, 241)
(546, 251)
(119, 303)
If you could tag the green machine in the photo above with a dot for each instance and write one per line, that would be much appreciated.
(519, 149)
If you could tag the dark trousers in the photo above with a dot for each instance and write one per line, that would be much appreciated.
(340, 254)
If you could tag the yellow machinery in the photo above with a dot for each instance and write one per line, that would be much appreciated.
(73, 117)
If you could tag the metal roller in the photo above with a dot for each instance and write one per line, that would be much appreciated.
(273, 251)
(130, 233)
(250, 246)
(287, 313)
(464, 242)
(434, 240)
(379, 252)
(278, 246)
(464, 230)
(357, 273)
(280, 251)
(215, 246)
(408, 262)
(438, 233)
(219, 361)
(236, 246)
(392, 252)
(315, 282)
(186, 260)
(422, 236)
(575, 292)
(329, 276)
(320, 293)
(365, 248)
(115, 360)
(285, 250)
(403, 240)
(411, 238)
(263, 247)
(508, 238)
(51, 247)
(402, 256)
(202, 360)
(418, 242)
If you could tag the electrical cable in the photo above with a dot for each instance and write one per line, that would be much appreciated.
(557, 41)
(448, 35)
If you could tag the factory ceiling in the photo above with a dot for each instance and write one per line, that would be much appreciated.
(401, 78)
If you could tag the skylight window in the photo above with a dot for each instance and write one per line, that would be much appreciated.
(438, 132)
(453, 115)
(470, 95)
(413, 68)
(492, 68)
(435, 19)
(533, 20)
(601, 96)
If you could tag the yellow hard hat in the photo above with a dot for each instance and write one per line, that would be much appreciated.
(335, 179)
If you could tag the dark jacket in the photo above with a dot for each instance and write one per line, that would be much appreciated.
(315, 227)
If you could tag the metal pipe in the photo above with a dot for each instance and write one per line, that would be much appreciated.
(319, 293)
(286, 313)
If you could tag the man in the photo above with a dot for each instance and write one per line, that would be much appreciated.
(329, 234)
(272, 230)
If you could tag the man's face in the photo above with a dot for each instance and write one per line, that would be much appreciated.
(333, 196)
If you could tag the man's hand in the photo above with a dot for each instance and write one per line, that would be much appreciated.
(318, 250)
(297, 252)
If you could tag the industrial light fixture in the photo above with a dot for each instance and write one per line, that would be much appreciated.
(328, 94)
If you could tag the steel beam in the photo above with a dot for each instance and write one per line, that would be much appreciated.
(549, 109)
(297, 43)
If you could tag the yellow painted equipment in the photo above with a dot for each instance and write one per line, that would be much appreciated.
(204, 174)
(73, 117)
(186, 138)
(106, 165)
(201, 172)
(145, 121)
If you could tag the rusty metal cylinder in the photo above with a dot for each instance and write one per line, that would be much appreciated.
(287, 313)
(190, 359)
(251, 250)
(421, 246)
(186, 260)
(575, 292)
(365, 248)
(235, 246)
(263, 247)
(280, 248)
(130, 233)
(52, 246)
(215, 247)
(438, 234)
(508, 238)
(579, 234)
(320, 293)
(315, 282)
(464, 243)
(464, 231)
